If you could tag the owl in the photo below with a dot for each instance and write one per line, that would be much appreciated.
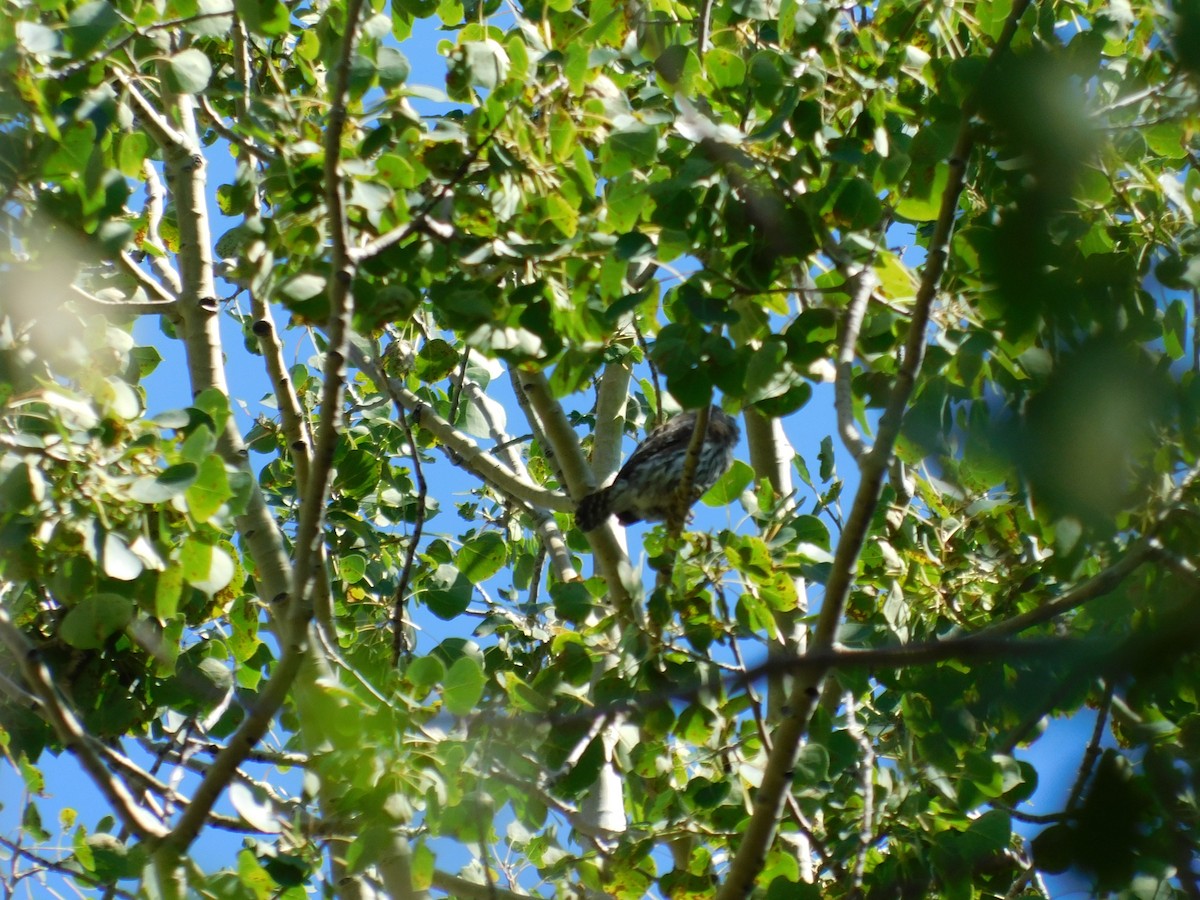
(646, 486)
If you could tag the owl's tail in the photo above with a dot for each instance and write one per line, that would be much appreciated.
(592, 510)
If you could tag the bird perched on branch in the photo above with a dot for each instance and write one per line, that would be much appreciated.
(648, 484)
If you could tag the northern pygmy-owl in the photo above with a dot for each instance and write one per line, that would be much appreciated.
(646, 486)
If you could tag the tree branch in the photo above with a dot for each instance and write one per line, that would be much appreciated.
(291, 413)
(768, 802)
(1097, 586)
(299, 611)
(71, 733)
(155, 205)
(860, 284)
(468, 453)
(771, 456)
(612, 396)
(972, 648)
(611, 559)
(547, 528)
(457, 886)
(164, 133)
(251, 148)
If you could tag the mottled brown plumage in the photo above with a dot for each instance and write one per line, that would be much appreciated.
(646, 486)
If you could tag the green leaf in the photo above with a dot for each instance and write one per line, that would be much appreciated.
(89, 24)
(255, 807)
(95, 619)
(856, 205)
(463, 686)
(299, 288)
(146, 359)
(423, 866)
(624, 199)
(208, 23)
(352, 567)
(481, 63)
(189, 71)
(420, 9)
(564, 215)
(36, 38)
(562, 135)
(524, 697)
(705, 793)
(213, 402)
(209, 492)
(811, 531)
(768, 373)
(729, 486)
(170, 482)
(73, 152)
(205, 566)
(632, 148)
(358, 473)
(449, 594)
(572, 600)
(425, 671)
(167, 591)
(923, 200)
(266, 17)
(435, 360)
(22, 486)
(725, 68)
(112, 859)
(481, 558)
(392, 67)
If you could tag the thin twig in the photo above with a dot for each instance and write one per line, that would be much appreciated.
(702, 38)
(400, 645)
(467, 453)
(156, 194)
(658, 407)
(71, 871)
(252, 148)
(687, 477)
(1092, 753)
(125, 307)
(866, 829)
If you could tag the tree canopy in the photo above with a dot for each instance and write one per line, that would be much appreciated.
(353, 624)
